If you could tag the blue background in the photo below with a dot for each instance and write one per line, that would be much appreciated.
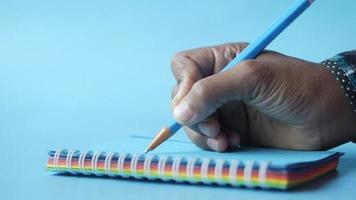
(81, 73)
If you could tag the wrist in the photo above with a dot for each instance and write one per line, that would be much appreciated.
(339, 89)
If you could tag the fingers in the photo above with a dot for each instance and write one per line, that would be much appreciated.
(204, 61)
(186, 73)
(190, 66)
(197, 139)
(244, 83)
(209, 135)
(234, 139)
(219, 143)
(233, 116)
(182, 89)
(200, 91)
(209, 127)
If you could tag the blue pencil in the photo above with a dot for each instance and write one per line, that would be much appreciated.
(250, 52)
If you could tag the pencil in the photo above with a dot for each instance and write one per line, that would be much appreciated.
(250, 52)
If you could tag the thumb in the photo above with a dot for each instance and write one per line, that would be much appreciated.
(207, 95)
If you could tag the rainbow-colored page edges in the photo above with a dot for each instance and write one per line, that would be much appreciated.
(251, 167)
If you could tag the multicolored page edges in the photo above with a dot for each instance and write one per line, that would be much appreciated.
(191, 170)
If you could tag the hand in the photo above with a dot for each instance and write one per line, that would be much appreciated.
(273, 101)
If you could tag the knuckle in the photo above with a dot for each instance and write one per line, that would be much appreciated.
(196, 138)
(202, 90)
(183, 67)
(240, 46)
(230, 52)
(255, 71)
(178, 57)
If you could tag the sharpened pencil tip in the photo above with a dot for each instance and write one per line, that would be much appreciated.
(146, 151)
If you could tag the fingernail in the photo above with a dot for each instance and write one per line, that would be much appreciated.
(183, 112)
(213, 144)
(204, 128)
(208, 129)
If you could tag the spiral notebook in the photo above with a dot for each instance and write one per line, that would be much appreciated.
(181, 161)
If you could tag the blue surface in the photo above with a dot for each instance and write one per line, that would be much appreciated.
(81, 73)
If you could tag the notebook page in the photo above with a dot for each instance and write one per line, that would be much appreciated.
(181, 148)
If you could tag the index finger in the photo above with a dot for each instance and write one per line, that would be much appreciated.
(190, 66)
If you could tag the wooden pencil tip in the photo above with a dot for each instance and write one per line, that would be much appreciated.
(163, 135)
